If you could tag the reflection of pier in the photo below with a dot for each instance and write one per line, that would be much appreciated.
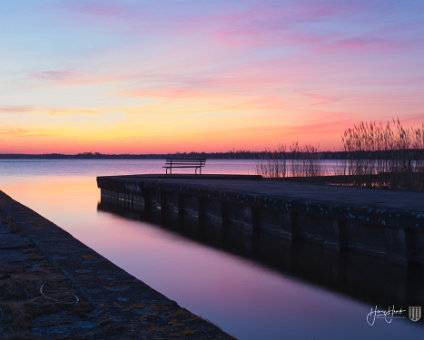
(365, 278)
(384, 224)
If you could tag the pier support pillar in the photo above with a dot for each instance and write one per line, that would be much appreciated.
(319, 229)
(296, 232)
(180, 204)
(274, 222)
(368, 239)
(164, 206)
(396, 246)
(147, 196)
(240, 217)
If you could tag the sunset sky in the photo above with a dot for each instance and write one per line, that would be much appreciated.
(193, 75)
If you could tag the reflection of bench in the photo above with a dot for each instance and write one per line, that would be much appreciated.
(196, 163)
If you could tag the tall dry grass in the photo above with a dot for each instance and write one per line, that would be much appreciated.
(391, 153)
(384, 155)
(295, 161)
(273, 163)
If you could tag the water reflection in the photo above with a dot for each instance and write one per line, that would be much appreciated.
(365, 279)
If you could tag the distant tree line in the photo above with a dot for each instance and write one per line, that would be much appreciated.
(266, 154)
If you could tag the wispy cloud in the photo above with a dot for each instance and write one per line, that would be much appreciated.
(14, 131)
(363, 45)
(74, 78)
(315, 99)
(15, 109)
(67, 112)
(102, 9)
(19, 132)
(55, 75)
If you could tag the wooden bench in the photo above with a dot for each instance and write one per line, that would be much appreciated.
(196, 163)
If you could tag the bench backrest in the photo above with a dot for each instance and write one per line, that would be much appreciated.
(199, 162)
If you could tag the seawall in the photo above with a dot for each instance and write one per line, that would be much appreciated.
(74, 292)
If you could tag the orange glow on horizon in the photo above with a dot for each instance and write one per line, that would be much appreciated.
(325, 136)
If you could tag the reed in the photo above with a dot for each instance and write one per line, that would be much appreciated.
(382, 155)
(273, 163)
(295, 161)
(385, 155)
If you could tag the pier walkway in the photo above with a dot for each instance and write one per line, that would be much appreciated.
(253, 185)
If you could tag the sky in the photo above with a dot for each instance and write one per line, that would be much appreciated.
(193, 75)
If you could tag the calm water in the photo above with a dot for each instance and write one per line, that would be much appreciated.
(243, 297)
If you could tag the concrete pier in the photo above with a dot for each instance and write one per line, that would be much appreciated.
(384, 224)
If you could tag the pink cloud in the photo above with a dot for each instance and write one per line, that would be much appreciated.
(103, 10)
(263, 24)
(335, 126)
(73, 78)
(304, 38)
(362, 44)
(254, 24)
(55, 75)
(252, 79)
(317, 99)
(162, 92)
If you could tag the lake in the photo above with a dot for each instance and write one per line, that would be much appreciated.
(246, 298)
